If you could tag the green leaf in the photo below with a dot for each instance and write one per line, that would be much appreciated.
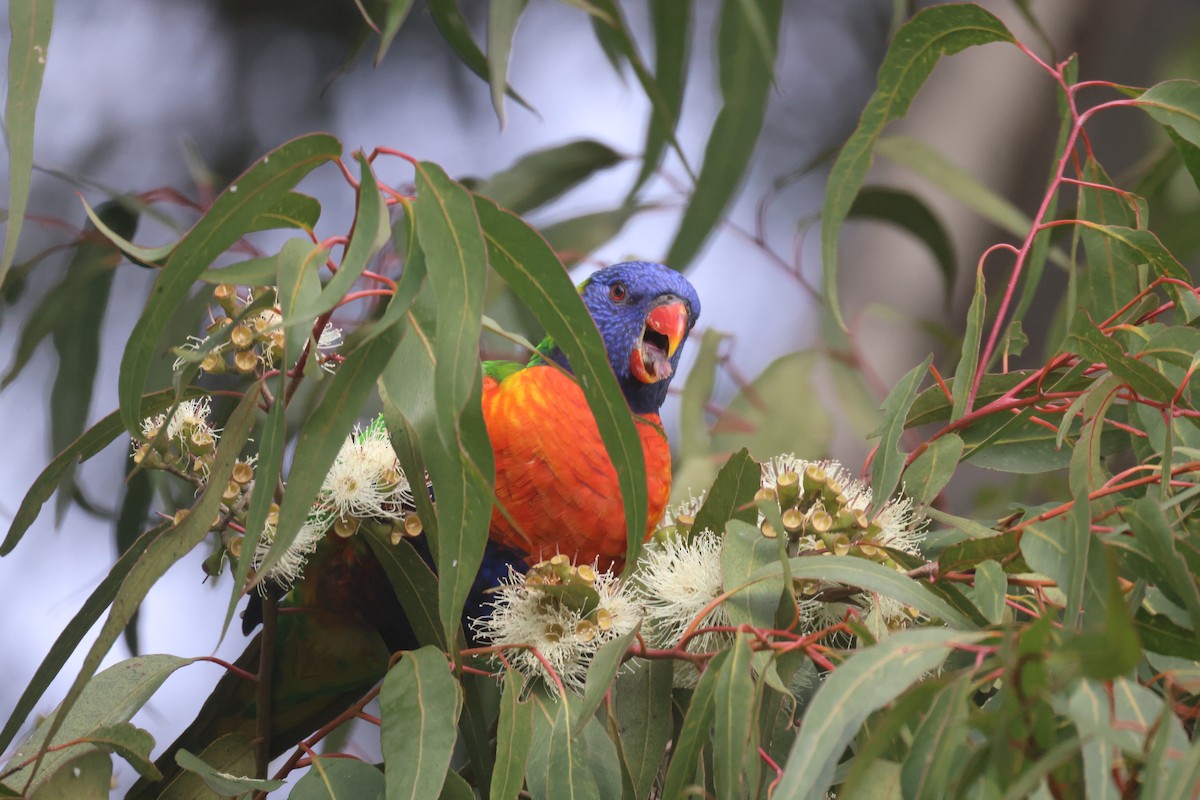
(915, 49)
(731, 495)
(601, 674)
(30, 22)
(1149, 525)
(251, 272)
(299, 286)
(1062, 550)
(694, 735)
(671, 21)
(420, 703)
(991, 590)
(513, 734)
(744, 551)
(697, 392)
(909, 212)
(97, 711)
(1108, 280)
(255, 191)
(863, 683)
(339, 779)
(1175, 105)
(763, 418)
(558, 765)
(1130, 247)
(64, 646)
(89, 444)
(643, 720)
(545, 175)
(745, 79)
(394, 15)
(322, 437)
(734, 721)
(220, 782)
(450, 23)
(940, 744)
(889, 459)
(1185, 775)
(872, 577)
(450, 236)
(576, 238)
(503, 16)
(1091, 343)
(1160, 635)
(529, 267)
(968, 363)
(929, 472)
(414, 584)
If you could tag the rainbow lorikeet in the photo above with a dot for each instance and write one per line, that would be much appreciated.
(556, 492)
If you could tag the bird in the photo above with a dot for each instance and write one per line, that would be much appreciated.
(556, 492)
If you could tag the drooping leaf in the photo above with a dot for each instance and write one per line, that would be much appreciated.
(503, 17)
(694, 734)
(929, 472)
(420, 704)
(232, 213)
(643, 720)
(339, 779)
(451, 24)
(545, 175)
(968, 363)
(30, 23)
(745, 551)
(601, 674)
(395, 12)
(222, 783)
(889, 459)
(733, 720)
(574, 239)
(916, 48)
(415, 586)
(522, 258)
(1175, 104)
(671, 21)
(513, 733)
(745, 80)
(232, 754)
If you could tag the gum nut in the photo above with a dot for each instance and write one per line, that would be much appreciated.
(242, 472)
(586, 573)
(242, 335)
(245, 361)
(345, 527)
(412, 525)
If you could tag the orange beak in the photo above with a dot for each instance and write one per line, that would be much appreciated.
(666, 326)
(671, 321)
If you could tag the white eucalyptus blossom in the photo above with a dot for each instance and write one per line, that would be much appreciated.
(526, 613)
(365, 481)
(290, 566)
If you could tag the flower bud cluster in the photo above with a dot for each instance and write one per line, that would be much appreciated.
(250, 342)
(564, 611)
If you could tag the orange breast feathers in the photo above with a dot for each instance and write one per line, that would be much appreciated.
(553, 475)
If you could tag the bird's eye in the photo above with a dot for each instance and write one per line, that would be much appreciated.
(617, 292)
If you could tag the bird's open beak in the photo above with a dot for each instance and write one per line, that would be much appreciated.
(666, 325)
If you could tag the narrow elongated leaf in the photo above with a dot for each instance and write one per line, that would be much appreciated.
(991, 590)
(322, 436)
(1149, 525)
(1132, 246)
(513, 734)
(695, 732)
(731, 495)
(863, 683)
(643, 717)
(909, 212)
(420, 702)
(522, 258)
(259, 271)
(968, 363)
(221, 782)
(231, 215)
(232, 754)
(107, 700)
(697, 391)
(544, 175)
(503, 17)
(763, 418)
(1088, 340)
(415, 586)
(450, 23)
(371, 231)
(1108, 279)
(30, 23)
(294, 210)
(872, 577)
(745, 80)
(576, 238)
(89, 444)
(395, 12)
(889, 459)
(916, 48)
(601, 674)
(671, 21)
(734, 721)
(744, 551)
(463, 468)
(88, 777)
(939, 745)
(298, 287)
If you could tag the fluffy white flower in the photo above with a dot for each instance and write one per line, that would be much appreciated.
(676, 580)
(524, 614)
(290, 566)
(365, 480)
